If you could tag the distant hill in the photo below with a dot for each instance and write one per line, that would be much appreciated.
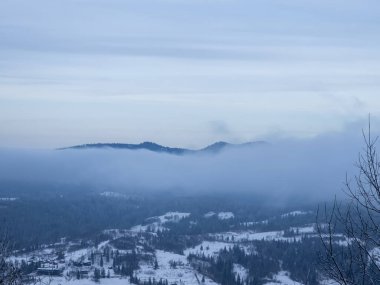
(151, 146)
(142, 146)
(219, 146)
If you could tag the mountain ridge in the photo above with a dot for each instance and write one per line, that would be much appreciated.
(154, 147)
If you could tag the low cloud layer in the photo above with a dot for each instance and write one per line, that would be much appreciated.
(313, 168)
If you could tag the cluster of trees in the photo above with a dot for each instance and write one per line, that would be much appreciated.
(98, 273)
(125, 243)
(174, 241)
(151, 281)
(124, 264)
(27, 267)
(10, 274)
(299, 258)
(31, 223)
(77, 213)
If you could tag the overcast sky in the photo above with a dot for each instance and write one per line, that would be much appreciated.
(184, 72)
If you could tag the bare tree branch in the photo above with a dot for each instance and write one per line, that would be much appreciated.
(356, 260)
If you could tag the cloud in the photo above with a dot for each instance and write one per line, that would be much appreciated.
(219, 127)
(312, 169)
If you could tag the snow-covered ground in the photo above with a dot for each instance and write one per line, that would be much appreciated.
(46, 253)
(304, 230)
(282, 278)
(220, 215)
(328, 282)
(340, 239)
(375, 255)
(76, 255)
(208, 248)
(209, 214)
(294, 213)
(248, 224)
(245, 236)
(240, 270)
(182, 272)
(226, 215)
(154, 227)
(158, 222)
(103, 281)
(173, 217)
(118, 233)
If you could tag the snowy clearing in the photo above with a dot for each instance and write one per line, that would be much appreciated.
(158, 222)
(226, 215)
(252, 236)
(282, 278)
(240, 270)
(181, 272)
(208, 248)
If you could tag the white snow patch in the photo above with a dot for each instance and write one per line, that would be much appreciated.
(173, 217)
(158, 222)
(8, 199)
(77, 255)
(209, 214)
(154, 227)
(303, 230)
(328, 282)
(375, 255)
(282, 278)
(103, 281)
(226, 215)
(37, 255)
(294, 213)
(338, 239)
(103, 244)
(247, 224)
(241, 271)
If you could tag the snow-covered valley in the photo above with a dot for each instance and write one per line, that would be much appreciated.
(146, 254)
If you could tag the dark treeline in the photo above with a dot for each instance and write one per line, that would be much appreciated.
(75, 213)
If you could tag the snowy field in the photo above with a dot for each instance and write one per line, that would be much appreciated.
(208, 248)
(158, 222)
(282, 278)
(183, 273)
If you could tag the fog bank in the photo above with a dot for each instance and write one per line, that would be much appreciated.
(313, 168)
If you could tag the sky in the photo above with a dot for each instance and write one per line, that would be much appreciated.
(184, 73)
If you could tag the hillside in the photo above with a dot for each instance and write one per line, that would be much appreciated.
(154, 147)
